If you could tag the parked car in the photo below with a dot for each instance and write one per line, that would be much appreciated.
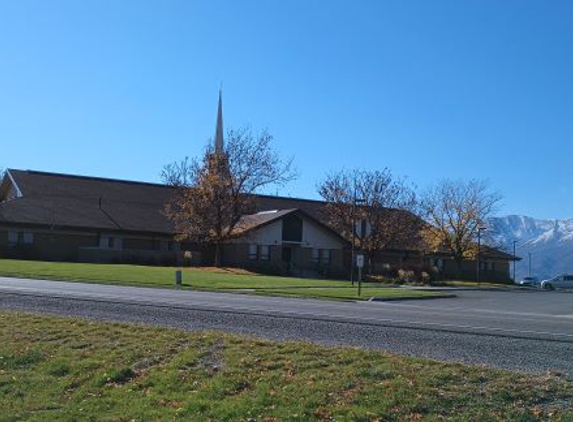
(528, 281)
(560, 282)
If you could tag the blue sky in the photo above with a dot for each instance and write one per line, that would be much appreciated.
(431, 89)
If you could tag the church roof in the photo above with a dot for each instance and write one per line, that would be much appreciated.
(99, 204)
(72, 201)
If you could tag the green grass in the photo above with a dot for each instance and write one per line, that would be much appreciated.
(461, 283)
(154, 276)
(352, 293)
(200, 279)
(65, 369)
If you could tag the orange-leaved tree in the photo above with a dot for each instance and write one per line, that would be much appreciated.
(456, 211)
(215, 191)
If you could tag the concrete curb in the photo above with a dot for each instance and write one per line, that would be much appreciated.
(471, 289)
(396, 299)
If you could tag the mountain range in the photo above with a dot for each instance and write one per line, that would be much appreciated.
(550, 243)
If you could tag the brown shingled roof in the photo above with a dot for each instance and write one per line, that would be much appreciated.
(254, 221)
(318, 210)
(62, 200)
(87, 202)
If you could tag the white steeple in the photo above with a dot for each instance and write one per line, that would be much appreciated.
(219, 147)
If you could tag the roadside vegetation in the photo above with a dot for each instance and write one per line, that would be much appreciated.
(389, 281)
(210, 279)
(351, 293)
(64, 369)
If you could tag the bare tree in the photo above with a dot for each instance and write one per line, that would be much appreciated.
(455, 210)
(179, 174)
(371, 208)
(214, 192)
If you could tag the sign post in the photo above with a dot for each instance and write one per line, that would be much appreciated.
(360, 265)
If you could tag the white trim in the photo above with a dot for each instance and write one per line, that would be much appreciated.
(18, 191)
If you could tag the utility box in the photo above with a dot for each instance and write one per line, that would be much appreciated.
(178, 278)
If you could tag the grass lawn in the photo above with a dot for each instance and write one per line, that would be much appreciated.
(352, 293)
(151, 276)
(212, 279)
(66, 369)
(460, 283)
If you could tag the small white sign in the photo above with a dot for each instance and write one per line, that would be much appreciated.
(360, 261)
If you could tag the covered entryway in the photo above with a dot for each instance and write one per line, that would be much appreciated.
(291, 257)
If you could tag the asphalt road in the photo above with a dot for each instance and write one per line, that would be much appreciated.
(527, 331)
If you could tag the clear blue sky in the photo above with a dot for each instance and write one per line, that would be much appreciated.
(431, 89)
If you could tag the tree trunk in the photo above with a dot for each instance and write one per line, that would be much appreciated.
(370, 262)
(459, 268)
(218, 255)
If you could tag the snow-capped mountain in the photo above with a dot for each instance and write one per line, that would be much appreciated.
(550, 243)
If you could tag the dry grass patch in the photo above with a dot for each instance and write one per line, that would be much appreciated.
(65, 369)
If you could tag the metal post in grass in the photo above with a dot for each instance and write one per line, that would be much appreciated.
(355, 201)
(478, 269)
(360, 264)
(514, 276)
(178, 278)
(352, 246)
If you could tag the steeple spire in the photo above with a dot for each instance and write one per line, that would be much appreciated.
(219, 148)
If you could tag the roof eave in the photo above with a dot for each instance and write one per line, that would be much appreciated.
(13, 182)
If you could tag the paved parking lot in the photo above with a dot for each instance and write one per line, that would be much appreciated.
(525, 302)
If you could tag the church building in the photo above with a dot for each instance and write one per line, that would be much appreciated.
(63, 217)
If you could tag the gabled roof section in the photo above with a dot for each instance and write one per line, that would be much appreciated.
(256, 221)
(319, 211)
(9, 189)
(260, 219)
(486, 252)
(492, 253)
